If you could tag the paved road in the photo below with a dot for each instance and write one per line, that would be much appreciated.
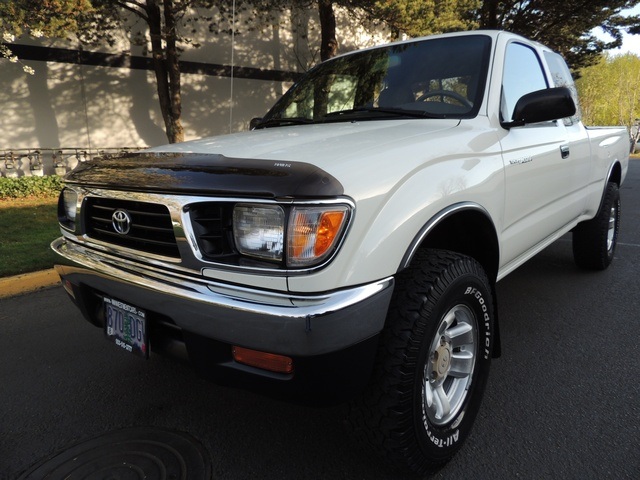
(562, 402)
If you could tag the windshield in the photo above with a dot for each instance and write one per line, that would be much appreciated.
(438, 78)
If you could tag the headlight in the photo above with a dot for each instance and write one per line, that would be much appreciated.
(313, 233)
(258, 230)
(67, 208)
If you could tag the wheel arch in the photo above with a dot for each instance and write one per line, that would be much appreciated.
(615, 174)
(464, 228)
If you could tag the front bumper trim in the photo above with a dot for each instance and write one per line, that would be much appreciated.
(283, 323)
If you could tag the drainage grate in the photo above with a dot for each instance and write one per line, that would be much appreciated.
(134, 453)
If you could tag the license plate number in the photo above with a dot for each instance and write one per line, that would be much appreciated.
(126, 326)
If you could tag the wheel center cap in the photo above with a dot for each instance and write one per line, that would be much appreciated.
(441, 362)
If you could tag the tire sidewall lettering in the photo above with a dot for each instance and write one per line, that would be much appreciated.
(485, 322)
(418, 346)
(467, 290)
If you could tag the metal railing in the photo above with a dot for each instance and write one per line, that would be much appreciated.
(18, 162)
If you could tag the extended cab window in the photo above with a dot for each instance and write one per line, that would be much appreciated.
(561, 77)
(522, 74)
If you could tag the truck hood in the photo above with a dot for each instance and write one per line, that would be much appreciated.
(306, 160)
(321, 144)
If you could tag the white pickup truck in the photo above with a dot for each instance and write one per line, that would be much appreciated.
(348, 246)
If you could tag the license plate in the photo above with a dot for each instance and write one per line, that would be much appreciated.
(126, 326)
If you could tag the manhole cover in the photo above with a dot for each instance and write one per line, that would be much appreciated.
(134, 453)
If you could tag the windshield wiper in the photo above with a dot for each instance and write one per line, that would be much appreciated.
(277, 122)
(398, 112)
(360, 112)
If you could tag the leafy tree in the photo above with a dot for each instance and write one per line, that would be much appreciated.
(422, 17)
(565, 26)
(53, 18)
(609, 92)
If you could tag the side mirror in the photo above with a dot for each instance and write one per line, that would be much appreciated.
(542, 106)
(254, 122)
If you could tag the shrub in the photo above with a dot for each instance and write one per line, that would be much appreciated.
(47, 186)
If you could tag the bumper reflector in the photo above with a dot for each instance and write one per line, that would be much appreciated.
(263, 360)
(68, 286)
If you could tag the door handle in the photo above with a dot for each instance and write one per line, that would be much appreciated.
(564, 151)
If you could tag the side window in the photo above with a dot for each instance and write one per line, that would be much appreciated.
(522, 74)
(561, 77)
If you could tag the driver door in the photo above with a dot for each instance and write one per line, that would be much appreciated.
(540, 163)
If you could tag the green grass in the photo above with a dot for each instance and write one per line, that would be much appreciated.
(28, 227)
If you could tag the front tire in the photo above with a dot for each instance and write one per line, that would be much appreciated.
(433, 362)
(594, 241)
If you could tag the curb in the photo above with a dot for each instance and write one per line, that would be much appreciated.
(27, 282)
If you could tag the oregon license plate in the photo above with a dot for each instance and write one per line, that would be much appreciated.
(126, 326)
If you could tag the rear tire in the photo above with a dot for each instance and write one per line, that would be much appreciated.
(594, 241)
(432, 364)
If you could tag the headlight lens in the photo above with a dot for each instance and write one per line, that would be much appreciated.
(313, 233)
(70, 200)
(258, 230)
(67, 208)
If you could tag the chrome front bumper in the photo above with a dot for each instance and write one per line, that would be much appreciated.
(287, 324)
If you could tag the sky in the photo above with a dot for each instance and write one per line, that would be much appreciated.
(630, 43)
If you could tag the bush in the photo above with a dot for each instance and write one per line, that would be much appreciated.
(47, 186)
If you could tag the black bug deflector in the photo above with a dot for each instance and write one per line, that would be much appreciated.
(210, 174)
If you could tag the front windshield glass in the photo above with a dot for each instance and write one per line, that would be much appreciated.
(438, 78)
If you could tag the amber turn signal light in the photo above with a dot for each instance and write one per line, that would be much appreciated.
(263, 360)
(314, 233)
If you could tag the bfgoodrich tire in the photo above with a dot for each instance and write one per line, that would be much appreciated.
(594, 241)
(432, 364)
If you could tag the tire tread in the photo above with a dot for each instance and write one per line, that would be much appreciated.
(590, 237)
(376, 418)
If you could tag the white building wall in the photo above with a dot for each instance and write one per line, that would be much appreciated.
(89, 107)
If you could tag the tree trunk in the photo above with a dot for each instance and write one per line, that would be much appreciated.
(489, 14)
(329, 44)
(173, 67)
(166, 67)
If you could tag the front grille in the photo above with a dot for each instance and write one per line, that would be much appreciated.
(212, 225)
(151, 229)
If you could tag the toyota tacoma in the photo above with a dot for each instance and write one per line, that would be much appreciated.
(348, 246)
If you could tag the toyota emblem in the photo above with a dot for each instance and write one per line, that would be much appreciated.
(121, 221)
